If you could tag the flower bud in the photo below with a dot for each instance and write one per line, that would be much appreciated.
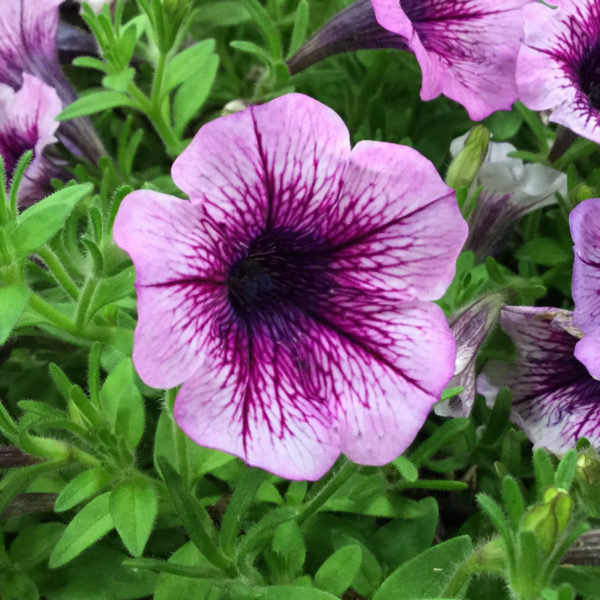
(464, 167)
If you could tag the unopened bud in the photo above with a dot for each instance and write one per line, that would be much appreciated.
(464, 167)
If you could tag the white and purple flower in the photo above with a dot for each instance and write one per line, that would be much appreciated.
(555, 399)
(585, 230)
(510, 189)
(558, 65)
(292, 295)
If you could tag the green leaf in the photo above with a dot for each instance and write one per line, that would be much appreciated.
(192, 94)
(544, 251)
(83, 486)
(565, 472)
(288, 543)
(90, 63)
(122, 403)
(425, 575)
(93, 103)
(42, 220)
(187, 63)
(34, 544)
(223, 13)
(87, 527)
(240, 502)
(504, 124)
(266, 25)
(119, 81)
(111, 289)
(544, 470)
(300, 27)
(406, 468)
(291, 592)
(337, 573)
(133, 507)
(513, 500)
(13, 300)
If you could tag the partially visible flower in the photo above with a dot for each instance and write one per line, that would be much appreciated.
(510, 190)
(467, 49)
(557, 68)
(28, 121)
(555, 399)
(28, 45)
(585, 230)
(292, 296)
(470, 329)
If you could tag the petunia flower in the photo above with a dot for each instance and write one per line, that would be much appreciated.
(28, 122)
(557, 68)
(28, 30)
(467, 49)
(555, 399)
(470, 329)
(291, 297)
(510, 189)
(585, 230)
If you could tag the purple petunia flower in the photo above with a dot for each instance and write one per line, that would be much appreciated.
(510, 189)
(292, 296)
(555, 399)
(557, 68)
(28, 121)
(467, 49)
(585, 230)
(28, 31)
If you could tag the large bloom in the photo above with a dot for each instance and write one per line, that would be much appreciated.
(292, 295)
(28, 121)
(510, 189)
(558, 66)
(467, 49)
(555, 399)
(28, 45)
(585, 230)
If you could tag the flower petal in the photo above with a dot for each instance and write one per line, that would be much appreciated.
(467, 49)
(27, 122)
(280, 168)
(398, 229)
(548, 67)
(585, 230)
(555, 400)
(288, 396)
(180, 284)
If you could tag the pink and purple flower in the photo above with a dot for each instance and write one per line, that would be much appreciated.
(555, 399)
(585, 230)
(467, 49)
(558, 65)
(292, 295)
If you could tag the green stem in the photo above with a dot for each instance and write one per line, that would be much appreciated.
(83, 304)
(58, 271)
(157, 83)
(337, 480)
(53, 315)
(432, 484)
(180, 441)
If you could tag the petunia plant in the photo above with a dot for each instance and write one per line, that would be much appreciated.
(299, 300)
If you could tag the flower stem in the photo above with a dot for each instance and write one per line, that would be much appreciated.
(328, 489)
(162, 566)
(83, 303)
(53, 315)
(58, 270)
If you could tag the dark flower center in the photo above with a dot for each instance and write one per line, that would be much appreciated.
(281, 269)
(588, 74)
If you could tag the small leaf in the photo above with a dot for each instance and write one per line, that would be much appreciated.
(133, 507)
(35, 543)
(300, 27)
(42, 220)
(187, 63)
(337, 573)
(93, 103)
(565, 472)
(87, 527)
(425, 575)
(83, 486)
(291, 592)
(288, 543)
(111, 289)
(13, 300)
(122, 403)
(119, 81)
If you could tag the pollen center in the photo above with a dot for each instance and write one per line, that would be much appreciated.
(588, 74)
(281, 268)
